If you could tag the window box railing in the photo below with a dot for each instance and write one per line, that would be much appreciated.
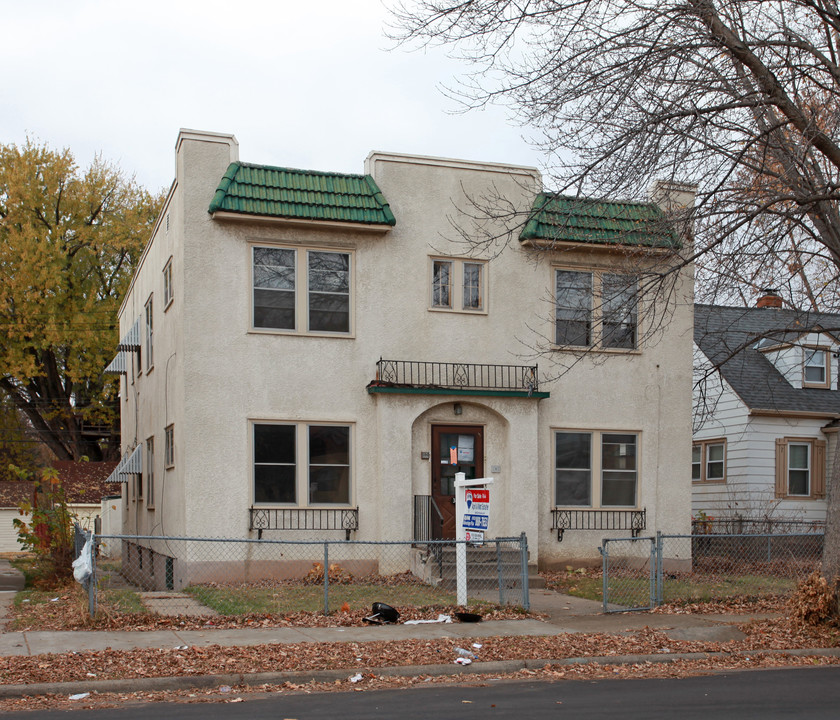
(346, 519)
(564, 519)
(456, 376)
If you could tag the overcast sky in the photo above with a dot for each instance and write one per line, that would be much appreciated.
(309, 85)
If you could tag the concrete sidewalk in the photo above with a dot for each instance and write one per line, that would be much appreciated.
(565, 614)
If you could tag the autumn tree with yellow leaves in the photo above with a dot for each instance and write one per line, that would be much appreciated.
(69, 242)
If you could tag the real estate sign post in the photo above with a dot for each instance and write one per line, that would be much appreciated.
(472, 513)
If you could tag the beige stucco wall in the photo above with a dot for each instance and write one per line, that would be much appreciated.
(222, 376)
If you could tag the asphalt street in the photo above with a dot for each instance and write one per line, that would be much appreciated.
(812, 693)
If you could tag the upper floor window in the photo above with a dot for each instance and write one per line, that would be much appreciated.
(167, 284)
(150, 473)
(169, 447)
(581, 457)
(302, 290)
(458, 285)
(149, 333)
(708, 461)
(815, 368)
(596, 309)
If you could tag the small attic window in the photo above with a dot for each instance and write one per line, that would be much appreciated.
(815, 368)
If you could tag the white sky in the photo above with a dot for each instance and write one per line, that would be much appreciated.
(311, 85)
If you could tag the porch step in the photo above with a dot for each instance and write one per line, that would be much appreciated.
(483, 566)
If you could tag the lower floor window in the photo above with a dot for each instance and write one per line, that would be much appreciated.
(301, 464)
(581, 457)
(800, 467)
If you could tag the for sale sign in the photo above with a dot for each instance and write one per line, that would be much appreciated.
(477, 514)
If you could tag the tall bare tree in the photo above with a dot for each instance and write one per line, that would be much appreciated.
(741, 97)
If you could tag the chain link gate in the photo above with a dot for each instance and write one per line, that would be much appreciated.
(629, 573)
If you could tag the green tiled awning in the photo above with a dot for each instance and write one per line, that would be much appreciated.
(558, 218)
(301, 195)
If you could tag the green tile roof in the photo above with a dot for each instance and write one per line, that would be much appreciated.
(558, 218)
(301, 194)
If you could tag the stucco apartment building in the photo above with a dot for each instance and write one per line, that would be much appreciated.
(314, 355)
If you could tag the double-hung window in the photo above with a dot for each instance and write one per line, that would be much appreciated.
(304, 464)
(302, 290)
(458, 285)
(169, 447)
(150, 472)
(167, 284)
(595, 309)
(708, 461)
(595, 469)
(800, 468)
(815, 368)
(150, 357)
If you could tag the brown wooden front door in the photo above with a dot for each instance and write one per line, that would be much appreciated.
(455, 448)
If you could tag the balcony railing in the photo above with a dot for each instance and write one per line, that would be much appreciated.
(633, 520)
(456, 376)
(346, 519)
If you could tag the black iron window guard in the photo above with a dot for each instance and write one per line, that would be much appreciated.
(418, 374)
(563, 519)
(346, 519)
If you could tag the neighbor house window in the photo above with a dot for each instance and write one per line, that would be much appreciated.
(458, 285)
(169, 446)
(815, 368)
(150, 473)
(167, 284)
(150, 357)
(301, 464)
(800, 468)
(302, 290)
(595, 309)
(708, 461)
(581, 457)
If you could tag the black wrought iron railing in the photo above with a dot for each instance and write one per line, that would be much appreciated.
(346, 519)
(414, 373)
(586, 519)
(428, 520)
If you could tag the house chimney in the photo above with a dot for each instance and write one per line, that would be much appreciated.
(769, 298)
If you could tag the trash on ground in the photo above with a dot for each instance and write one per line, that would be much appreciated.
(468, 617)
(440, 619)
(382, 614)
(356, 678)
(224, 689)
(477, 646)
(79, 696)
(182, 647)
(463, 661)
(464, 652)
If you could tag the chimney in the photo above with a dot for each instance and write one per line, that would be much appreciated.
(769, 298)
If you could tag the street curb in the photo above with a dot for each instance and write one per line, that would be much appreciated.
(185, 682)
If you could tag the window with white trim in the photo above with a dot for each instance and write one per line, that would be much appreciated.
(150, 356)
(595, 309)
(302, 290)
(815, 368)
(169, 446)
(458, 285)
(582, 457)
(708, 461)
(800, 468)
(303, 464)
(149, 470)
(167, 284)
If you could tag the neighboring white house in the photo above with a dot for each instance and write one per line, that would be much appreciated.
(324, 351)
(85, 491)
(766, 409)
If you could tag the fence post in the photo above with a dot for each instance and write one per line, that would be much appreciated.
(92, 579)
(523, 554)
(605, 569)
(659, 574)
(326, 578)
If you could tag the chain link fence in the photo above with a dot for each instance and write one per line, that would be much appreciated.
(640, 573)
(231, 577)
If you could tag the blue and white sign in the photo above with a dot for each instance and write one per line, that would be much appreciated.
(477, 515)
(475, 522)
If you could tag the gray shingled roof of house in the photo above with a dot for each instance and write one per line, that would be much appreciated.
(728, 337)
